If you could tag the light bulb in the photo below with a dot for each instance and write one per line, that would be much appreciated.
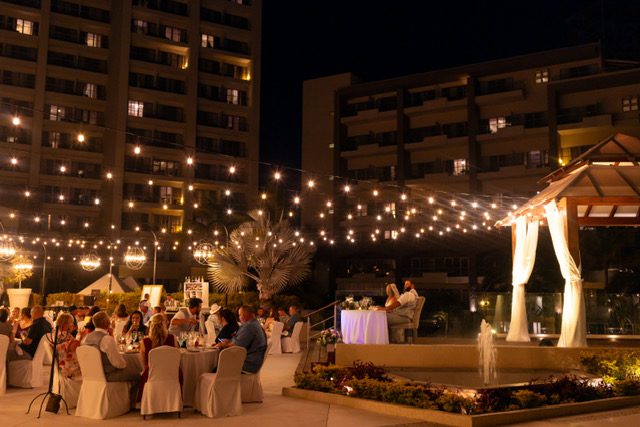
(81, 137)
(15, 120)
(232, 169)
(189, 160)
(137, 149)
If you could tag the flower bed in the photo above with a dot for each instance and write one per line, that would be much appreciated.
(367, 381)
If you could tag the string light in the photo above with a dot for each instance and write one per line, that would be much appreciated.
(14, 161)
(277, 176)
(137, 150)
(15, 120)
(232, 169)
(189, 160)
(81, 137)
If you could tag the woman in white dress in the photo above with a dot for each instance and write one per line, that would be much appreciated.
(392, 294)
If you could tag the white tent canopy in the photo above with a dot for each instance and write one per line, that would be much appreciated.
(131, 283)
(102, 284)
(599, 188)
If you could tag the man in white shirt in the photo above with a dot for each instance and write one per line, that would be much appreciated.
(186, 319)
(401, 311)
(114, 365)
(410, 287)
(146, 313)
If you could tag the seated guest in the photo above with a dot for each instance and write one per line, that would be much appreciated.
(15, 315)
(282, 315)
(261, 315)
(89, 326)
(251, 336)
(158, 336)
(27, 348)
(67, 344)
(134, 324)
(294, 317)
(268, 324)
(144, 309)
(213, 321)
(158, 309)
(22, 325)
(229, 325)
(119, 319)
(187, 319)
(5, 327)
(400, 311)
(392, 294)
(114, 365)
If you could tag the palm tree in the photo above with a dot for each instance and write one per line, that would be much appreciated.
(272, 254)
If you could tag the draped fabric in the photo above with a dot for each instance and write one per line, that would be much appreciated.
(574, 322)
(524, 257)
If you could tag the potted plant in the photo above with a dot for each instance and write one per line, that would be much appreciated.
(21, 268)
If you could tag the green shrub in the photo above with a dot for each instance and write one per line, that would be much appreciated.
(627, 387)
(456, 403)
(311, 381)
(615, 367)
(528, 399)
(68, 298)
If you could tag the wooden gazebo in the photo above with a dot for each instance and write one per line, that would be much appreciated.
(601, 188)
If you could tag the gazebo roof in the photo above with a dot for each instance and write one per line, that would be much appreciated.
(604, 184)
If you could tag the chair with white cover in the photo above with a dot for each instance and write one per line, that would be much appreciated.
(219, 394)
(4, 347)
(291, 344)
(162, 392)
(276, 333)
(68, 388)
(251, 384)
(28, 373)
(98, 398)
(413, 324)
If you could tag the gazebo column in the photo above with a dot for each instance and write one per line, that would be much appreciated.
(567, 247)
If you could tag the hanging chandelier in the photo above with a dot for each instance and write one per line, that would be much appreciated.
(204, 252)
(90, 262)
(134, 258)
(7, 249)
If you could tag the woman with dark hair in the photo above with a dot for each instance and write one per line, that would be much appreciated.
(5, 326)
(24, 323)
(135, 324)
(229, 325)
(119, 318)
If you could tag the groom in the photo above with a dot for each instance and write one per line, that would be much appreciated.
(401, 311)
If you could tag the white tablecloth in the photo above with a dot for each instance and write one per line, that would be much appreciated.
(364, 327)
(193, 364)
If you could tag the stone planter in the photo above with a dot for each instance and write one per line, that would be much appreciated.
(19, 297)
(459, 420)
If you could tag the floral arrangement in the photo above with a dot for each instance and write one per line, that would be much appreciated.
(351, 304)
(329, 336)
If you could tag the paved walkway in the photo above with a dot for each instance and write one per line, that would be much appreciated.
(276, 410)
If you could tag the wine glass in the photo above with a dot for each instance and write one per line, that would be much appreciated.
(181, 339)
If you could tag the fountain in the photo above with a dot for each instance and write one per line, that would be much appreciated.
(487, 351)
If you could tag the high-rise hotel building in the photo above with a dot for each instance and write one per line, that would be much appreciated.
(119, 114)
(494, 128)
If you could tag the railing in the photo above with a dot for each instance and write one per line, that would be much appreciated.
(323, 321)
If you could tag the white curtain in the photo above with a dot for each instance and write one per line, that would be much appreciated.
(524, 257)
(574, 322)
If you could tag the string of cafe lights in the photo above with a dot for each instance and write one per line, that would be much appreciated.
(433, 205)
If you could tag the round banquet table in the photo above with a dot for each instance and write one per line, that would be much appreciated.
(364, 327)
(192, 363)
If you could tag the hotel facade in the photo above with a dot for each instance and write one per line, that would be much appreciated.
(124, 117)
(494, 129)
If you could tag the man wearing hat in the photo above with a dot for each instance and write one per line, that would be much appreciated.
(212, 323)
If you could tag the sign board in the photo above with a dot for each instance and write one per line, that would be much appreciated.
(197, 290)
(155, 294)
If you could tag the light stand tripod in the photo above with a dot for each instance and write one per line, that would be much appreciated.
(50, 392)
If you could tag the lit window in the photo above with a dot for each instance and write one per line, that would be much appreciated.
(90, 90)
(54, 139)
(136, 108)
(56, 113)
(24, 26)
(542, 76)
(140, 26)
(207, 40)
(630, 103)
(496, 123)
(460, 166)
(173, 33)
(233, 96)
(94, 40)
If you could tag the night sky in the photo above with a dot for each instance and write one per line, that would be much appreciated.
(377, 40)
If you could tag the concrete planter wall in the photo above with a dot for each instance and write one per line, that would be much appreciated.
(459, 420)
(19, 297)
